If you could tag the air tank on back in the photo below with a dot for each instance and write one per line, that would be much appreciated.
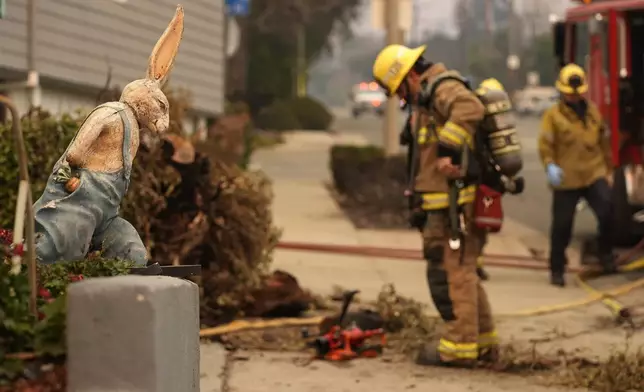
(499, 125)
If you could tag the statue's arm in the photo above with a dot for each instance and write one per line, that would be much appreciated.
(97, 122)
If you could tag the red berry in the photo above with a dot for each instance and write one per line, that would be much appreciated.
(6, 236)
(76, 278)
(44, 293)
(18, 250)
(41, 315)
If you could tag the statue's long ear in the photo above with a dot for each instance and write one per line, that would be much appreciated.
(166, 49)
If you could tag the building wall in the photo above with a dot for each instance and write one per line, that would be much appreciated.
(55, 101)
(59, 100)
(76, 38)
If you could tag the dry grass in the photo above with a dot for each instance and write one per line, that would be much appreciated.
(409, 326)
(406, 321)
(623, 371)
(275, 339)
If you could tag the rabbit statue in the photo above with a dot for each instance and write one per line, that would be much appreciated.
(78, 209)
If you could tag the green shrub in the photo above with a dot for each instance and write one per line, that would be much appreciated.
(278, 117)
(236, 107)
(311, 114)
(207, 212)
(242, 109)
(46, 138)
(20, 331)
(370, 186)
(349, 162)
(266, 139)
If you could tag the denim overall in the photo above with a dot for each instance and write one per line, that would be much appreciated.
(68, 225)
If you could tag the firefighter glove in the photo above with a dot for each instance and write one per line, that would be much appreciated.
(555, 174)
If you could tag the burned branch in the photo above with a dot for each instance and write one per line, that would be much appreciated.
(108, 93)
(279, 16)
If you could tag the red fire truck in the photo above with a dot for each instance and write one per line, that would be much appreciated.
(606, 38)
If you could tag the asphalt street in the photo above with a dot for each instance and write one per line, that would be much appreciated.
(532, 208)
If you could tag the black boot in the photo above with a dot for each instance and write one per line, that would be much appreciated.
(557, 279)
(608, 265)
(483, 275)
(489, 355)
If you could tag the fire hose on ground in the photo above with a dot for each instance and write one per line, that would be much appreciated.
(621, 312)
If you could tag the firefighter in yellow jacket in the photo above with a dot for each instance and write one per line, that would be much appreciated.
(576, 153)
(444, 130)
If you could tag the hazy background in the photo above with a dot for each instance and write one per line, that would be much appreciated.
(438, 15)
(456, 33)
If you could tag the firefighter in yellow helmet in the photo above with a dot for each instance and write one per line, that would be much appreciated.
(447, 115)
(575, 151)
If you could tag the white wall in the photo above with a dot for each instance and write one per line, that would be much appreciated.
(55, 101)
(59, 101)
(75, 38)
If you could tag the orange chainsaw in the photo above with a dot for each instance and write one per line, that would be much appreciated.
(341, 344)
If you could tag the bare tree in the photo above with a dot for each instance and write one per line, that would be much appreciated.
(463, 18)
(109, 93)
(291, 18)
(535, 16)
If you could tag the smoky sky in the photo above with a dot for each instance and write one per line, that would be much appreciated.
(438, 15)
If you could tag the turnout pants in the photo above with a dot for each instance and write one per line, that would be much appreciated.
(479, 259)
(456, 289)
(564, 207)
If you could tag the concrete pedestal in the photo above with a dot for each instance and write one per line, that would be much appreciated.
(133, 333)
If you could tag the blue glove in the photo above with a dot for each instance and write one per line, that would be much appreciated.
(555, 174)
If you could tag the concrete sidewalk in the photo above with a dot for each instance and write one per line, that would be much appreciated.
(306, 212)
(286, 372)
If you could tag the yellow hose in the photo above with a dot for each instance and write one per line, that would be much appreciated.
(615, 306)
(610, 303)
(635, 265)
(245, 325)
(595, 295)
(606, 297)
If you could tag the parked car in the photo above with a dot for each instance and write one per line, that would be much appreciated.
(367, 98)
(533, 101)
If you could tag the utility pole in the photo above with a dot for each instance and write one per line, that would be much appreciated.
(489, 10)
(392, 111)
(226, 71)
(514, 43)
(414, 34)
(33, 82)
(300, 67)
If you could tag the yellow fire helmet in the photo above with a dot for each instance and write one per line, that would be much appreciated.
(491, 84)
(572, 80)
(392, 65)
